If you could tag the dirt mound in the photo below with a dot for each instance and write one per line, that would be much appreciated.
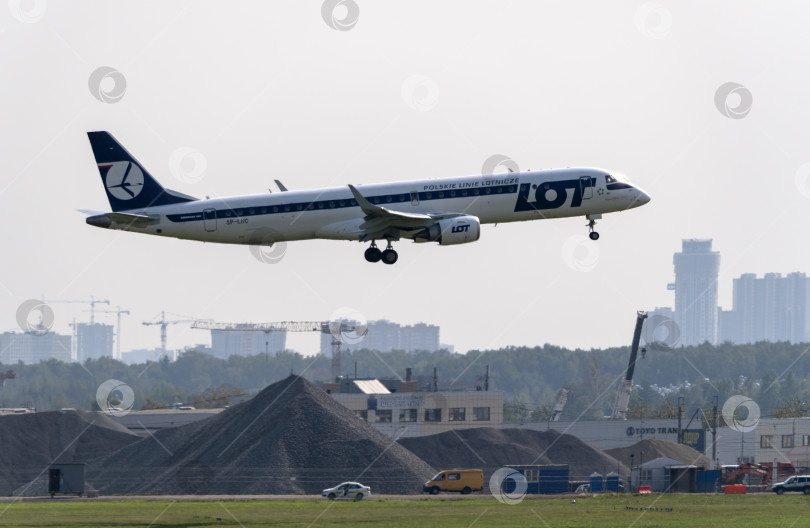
(33, 441)
(290, 438)
(491, 449)
(661, 448)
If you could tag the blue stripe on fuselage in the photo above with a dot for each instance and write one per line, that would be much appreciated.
(319, 205)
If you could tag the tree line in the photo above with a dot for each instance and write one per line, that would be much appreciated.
(775, 375)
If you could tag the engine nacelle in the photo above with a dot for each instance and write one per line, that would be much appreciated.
(456, 230)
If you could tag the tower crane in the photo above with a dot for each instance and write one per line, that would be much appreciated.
(626, 387)
(325, 327)
(118, 311)
(92, 302)
(163, 324)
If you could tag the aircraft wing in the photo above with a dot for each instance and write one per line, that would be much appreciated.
(379, 220)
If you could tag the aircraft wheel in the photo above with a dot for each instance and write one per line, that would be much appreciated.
(389, 256)
(373, 254)
(594, 235)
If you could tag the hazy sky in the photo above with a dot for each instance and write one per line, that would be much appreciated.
(220, 98)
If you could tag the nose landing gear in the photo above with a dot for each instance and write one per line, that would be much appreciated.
(591, 224)
(389, 256)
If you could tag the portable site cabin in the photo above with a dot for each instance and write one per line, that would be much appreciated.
(665, 475)
(66, 478)
(546, 479)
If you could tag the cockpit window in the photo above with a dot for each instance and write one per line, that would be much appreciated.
(610, 179)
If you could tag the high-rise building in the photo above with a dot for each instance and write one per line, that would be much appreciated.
(385, 336)
(94, 341)
(32, 348)
(696, 271)
(227, 343)
(773, 308)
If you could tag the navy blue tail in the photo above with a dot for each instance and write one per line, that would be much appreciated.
(127, 183)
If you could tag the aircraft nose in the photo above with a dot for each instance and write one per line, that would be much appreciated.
(642, 197)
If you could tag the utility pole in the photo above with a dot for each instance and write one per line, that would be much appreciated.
(714, 433)
(681, 401)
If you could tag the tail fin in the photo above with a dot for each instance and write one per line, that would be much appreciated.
(127, 183)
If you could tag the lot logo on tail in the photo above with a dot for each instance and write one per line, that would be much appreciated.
(124, 179)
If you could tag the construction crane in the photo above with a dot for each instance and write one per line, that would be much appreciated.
(163, 324)
(626, 387)
(118, 311)
(92, 302)
(328, 327)
(559, 405)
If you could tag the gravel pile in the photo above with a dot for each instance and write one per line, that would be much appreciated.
(33, 441)
(291, 438)
(660, 448)
(491, 449)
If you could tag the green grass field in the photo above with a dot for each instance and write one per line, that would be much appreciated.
(681, 511)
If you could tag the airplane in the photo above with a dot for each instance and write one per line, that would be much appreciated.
(448, 211)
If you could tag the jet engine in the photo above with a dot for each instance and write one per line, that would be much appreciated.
(450, 231)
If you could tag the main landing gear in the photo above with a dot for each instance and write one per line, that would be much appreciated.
(373, 254)
(591, 224)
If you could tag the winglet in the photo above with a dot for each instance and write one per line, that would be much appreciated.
(280, 186)
(365, 205)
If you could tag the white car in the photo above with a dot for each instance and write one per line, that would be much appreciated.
(347, 490)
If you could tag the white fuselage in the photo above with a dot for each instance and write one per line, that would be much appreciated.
(333, 213)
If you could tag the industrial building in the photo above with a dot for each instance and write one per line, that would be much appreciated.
(783, 440)
(396, 408)
(32, 348)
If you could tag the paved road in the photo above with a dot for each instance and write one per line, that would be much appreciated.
(217, 498)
